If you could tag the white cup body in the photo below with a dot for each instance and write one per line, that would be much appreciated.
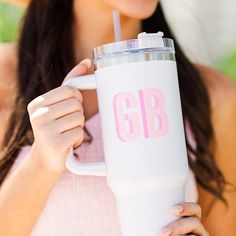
(146, 171)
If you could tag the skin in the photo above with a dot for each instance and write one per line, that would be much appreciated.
(51, 129)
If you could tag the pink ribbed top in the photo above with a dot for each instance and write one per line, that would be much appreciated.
(84, 205)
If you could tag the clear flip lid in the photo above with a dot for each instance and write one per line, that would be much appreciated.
(146, 42)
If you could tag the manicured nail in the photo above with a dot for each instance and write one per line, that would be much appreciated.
(86, 62)
(165, 232)
(178, 209)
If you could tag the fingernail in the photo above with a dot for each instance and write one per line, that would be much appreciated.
(86, 62)
(165, 232)
(178, 209)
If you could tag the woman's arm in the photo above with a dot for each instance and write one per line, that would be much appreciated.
(57, 121)
(23, 196)
(221, 220)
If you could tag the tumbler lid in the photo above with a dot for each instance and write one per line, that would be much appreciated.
(146, 42)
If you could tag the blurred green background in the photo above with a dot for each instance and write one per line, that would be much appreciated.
(228, 65)
(9, 21)
(10, 16)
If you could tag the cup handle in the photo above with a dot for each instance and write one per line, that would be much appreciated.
(86, 82)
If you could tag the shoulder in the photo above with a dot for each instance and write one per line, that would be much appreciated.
(8, 57)
(221, 89)
(8, 63)
(222, 92)
(8, 69)
(8, 53)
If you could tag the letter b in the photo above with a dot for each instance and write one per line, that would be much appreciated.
(154, 118)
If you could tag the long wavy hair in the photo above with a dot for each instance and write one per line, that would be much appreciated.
(46, 55)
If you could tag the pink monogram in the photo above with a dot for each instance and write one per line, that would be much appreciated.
(154, 119)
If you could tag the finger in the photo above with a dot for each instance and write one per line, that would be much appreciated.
(63, 92)
(61, 109)
(185, 226)
(68, 122)
(54, 96)
(81, 69)
(187, 209)
(73, 137)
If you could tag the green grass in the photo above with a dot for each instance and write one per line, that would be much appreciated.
(9, 21)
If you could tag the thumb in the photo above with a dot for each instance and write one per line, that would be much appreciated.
(81, 69)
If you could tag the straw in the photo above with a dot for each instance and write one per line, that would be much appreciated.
(116, 23)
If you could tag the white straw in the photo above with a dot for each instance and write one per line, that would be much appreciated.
(116, 23)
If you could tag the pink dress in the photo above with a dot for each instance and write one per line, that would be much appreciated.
(84, 205)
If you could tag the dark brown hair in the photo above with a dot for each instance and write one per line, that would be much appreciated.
(46, 55)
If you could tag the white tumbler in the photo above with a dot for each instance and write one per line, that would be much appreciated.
(142, 130)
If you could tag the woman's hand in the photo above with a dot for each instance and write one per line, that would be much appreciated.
(57, 120)
(188, 224)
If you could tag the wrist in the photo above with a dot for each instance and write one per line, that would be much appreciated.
(36, 163)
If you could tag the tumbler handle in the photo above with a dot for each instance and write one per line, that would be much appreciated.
(86, 82)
